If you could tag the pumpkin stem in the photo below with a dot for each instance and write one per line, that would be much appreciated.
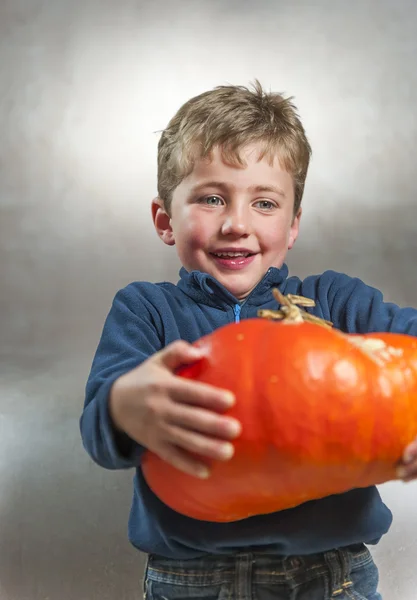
(290, 311)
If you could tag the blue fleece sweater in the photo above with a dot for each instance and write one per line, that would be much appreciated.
(144, 318)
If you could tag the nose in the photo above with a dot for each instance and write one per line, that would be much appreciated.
(236, 222)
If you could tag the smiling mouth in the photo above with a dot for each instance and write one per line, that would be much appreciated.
(232, 254)
(233, 261)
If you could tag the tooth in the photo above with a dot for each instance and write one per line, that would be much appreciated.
(232, 254)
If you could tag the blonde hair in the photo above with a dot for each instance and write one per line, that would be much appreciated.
(231, 117)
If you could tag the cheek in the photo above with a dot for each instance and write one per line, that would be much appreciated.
(275, 238)
(194, 231)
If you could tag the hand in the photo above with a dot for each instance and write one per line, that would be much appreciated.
(172, 416)
(407, 471)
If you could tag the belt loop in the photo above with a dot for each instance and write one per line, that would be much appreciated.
(243, 577)
(145, 576)
(339, 568)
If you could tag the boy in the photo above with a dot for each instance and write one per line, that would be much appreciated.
(231, 171)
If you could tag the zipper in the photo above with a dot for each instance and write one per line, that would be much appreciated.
(237, 308)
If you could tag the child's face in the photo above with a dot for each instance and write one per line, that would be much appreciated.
(221, 209)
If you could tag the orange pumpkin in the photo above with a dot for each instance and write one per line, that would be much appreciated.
(322, 412)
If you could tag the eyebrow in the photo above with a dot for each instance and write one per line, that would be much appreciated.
(224, 186)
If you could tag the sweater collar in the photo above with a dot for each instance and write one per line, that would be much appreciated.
(205, 289)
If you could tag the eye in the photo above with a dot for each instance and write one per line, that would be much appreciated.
(265, 204)
(211, 200)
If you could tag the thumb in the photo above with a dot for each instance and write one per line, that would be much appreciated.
(179, 354)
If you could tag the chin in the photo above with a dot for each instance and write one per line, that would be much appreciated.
(237, 293)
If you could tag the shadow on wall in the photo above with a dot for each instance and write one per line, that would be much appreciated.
(63, 520)
(377, 244)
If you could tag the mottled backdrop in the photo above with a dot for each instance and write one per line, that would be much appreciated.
(85, 86)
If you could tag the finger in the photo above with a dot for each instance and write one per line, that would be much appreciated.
(196, 393)
(178, 354)
(410, 453)
(407, 474)
(183, 461)
(410, 478)
(203, 421)
(199, 444)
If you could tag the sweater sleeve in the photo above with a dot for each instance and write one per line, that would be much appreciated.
(355, 307)
(129, 337)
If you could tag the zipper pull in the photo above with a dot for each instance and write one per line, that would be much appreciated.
(237, 309)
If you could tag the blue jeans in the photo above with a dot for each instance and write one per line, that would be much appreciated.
(344, 574)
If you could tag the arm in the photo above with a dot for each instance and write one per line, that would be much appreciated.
(129, 337)
(134, 399)
(355, 307)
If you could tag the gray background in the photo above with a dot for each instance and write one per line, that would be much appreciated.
(84, 86)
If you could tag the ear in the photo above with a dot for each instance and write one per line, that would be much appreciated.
(295, 229)
(162, 222)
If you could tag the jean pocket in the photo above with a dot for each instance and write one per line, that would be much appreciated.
(156, 590)
(362, 584)
(349, 593)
